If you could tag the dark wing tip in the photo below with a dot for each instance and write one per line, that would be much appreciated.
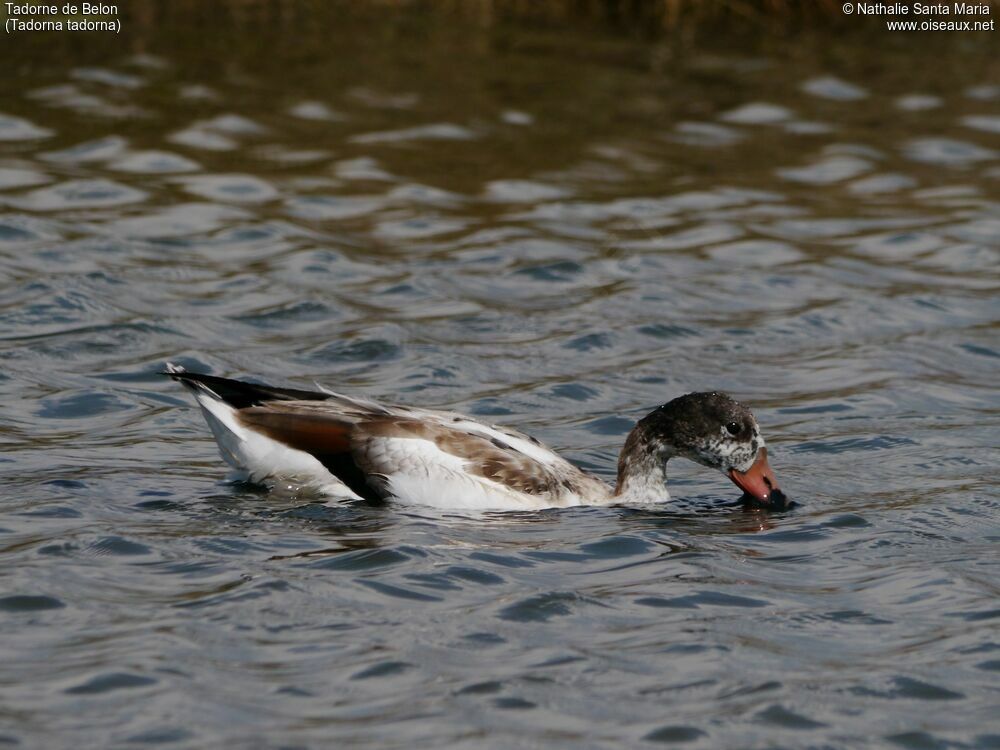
(238, 393)
(193, 381)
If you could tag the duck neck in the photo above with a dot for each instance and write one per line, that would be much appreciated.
(642, 467)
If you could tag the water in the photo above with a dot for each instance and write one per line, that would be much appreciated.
(554, 229)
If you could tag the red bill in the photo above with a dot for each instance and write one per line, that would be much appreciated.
(758, 481)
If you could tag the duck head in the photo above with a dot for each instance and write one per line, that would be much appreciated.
(711, 429)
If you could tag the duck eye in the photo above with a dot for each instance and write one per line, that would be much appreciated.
(733, 428)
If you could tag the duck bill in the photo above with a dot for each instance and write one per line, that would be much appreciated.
(758, 481)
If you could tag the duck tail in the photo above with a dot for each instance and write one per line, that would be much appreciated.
(237, 393)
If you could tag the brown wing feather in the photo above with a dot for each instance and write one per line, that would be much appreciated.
(304, 430)
(346, 442)
(327, 436)
(488, 458)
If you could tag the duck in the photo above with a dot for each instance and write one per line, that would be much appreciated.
(359, 449)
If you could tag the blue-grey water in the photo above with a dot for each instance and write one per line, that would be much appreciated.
(550, 227)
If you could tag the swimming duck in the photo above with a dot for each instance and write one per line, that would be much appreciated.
(360, 449)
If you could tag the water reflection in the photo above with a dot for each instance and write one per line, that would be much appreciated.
(554, 229)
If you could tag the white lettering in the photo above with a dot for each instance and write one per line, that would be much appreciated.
(968, 9)
(922, 9)
(99, 9)
(882, 9)
(91, 25)
(31, 10)
(32, 25)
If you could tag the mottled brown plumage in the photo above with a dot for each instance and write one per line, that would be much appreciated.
(441, 458)
(348, 433)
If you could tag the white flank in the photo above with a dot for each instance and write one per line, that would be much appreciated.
(423, 474)
(457, 491)
(261, 459)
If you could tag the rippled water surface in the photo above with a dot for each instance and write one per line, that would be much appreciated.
(551, 228)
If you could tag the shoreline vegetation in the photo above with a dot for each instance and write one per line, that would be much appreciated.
(659, 36)
(650, 17)
(703, 22)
